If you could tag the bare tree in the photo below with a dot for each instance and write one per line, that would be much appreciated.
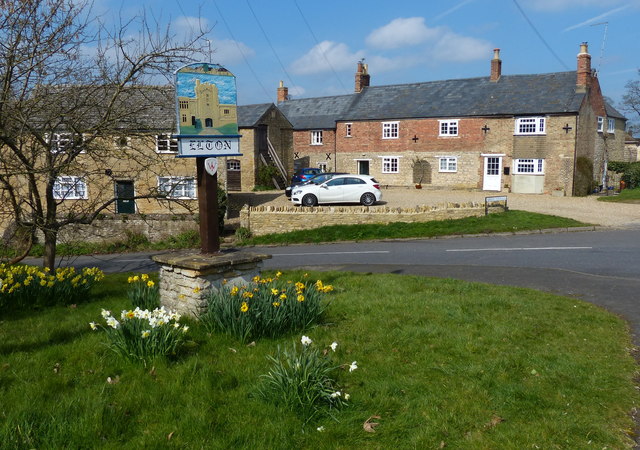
(631, 103)
(70, 85)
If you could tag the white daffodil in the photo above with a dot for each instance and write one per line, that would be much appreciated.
(334, 345)
(353, 366)
(113, 323)
(105, 313)
(185, 329)
(306, 340)
(146, 333)
(320, 429)
(347, 396)
(93, 325)
(336, 394)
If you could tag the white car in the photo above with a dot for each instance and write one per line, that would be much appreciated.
(339, 189)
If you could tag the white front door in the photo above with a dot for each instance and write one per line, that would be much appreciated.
(492, 180)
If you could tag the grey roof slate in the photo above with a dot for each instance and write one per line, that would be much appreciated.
(552, 93)
(510, 95)
(250, 115)
(321, 112)
(613, 112)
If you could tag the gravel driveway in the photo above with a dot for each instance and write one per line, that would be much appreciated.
(585, 209)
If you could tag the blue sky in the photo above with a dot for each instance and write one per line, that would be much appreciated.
(313, 46)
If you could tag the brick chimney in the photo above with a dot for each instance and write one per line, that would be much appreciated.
(584, 68)
(362, 76)
(283, 92)
(496, 65)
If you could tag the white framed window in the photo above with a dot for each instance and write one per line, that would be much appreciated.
(390, 164)
(600, 124)
(60, 142)
(347, 130)
(448, 127)
(166, 144)
(316, 137)
(390, 130)
(528, 166)
(322, 166)
(448, 164)
(177, 187)
(530, 125)
(233, 165)
(611, 126)
(69, 188)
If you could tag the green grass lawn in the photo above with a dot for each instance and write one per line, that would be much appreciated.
(441, 363)
(625, 196)
(509, 221)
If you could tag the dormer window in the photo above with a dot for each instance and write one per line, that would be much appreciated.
(611, 126)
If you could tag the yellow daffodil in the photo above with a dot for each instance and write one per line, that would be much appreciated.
(244, 307)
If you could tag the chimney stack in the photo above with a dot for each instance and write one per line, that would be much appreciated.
(283, 92)
(496, 66)
(584, 68)
(362, 76)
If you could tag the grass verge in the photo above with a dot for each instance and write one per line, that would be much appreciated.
(494, 223)
(625, 196)
(440, 363)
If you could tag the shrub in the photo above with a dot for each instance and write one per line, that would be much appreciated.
(303, 379)
(265, 175)
(267, 307)
(143, 335)
(243, 233)
(143, 292)
(23, 286)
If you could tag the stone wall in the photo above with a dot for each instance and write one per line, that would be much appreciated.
(262, 220)
(115, 227)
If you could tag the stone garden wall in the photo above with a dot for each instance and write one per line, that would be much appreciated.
(279, 219)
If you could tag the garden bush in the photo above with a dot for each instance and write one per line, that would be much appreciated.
(268, 307)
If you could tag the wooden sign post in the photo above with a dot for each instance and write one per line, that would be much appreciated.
(206, 105)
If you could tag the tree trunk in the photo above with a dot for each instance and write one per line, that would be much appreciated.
(50, 240)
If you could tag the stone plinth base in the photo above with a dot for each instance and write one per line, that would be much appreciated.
(187, 277)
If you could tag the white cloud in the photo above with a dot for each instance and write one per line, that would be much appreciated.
(325, 56)
(227, 51)
(401, 32)
(452, 47)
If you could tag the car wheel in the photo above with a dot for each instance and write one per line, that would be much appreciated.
(368, 199)
(309, 200)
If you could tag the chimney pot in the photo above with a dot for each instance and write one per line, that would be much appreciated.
(362, 76)
(496, 66)
(584, 72)
(283, 92)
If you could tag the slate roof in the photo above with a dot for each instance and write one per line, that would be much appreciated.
(250, 115)
(553, 93)
(511, 95)
(321, 112)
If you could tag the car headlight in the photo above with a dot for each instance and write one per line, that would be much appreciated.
(297, 191)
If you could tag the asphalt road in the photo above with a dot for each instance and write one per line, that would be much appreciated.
(602, 267)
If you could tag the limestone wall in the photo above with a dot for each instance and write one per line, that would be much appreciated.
(271, 219)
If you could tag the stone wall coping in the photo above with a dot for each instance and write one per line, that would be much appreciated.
(361, 209)
(189, 259)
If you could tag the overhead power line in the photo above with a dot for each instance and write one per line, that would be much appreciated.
(540, 35)
(324, 55)
(264, 33)
(244, 57)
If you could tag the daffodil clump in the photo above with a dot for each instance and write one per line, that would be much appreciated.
(304, 378)
(143, 292)
(267, 307)
(23, 286)
(143, 335)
